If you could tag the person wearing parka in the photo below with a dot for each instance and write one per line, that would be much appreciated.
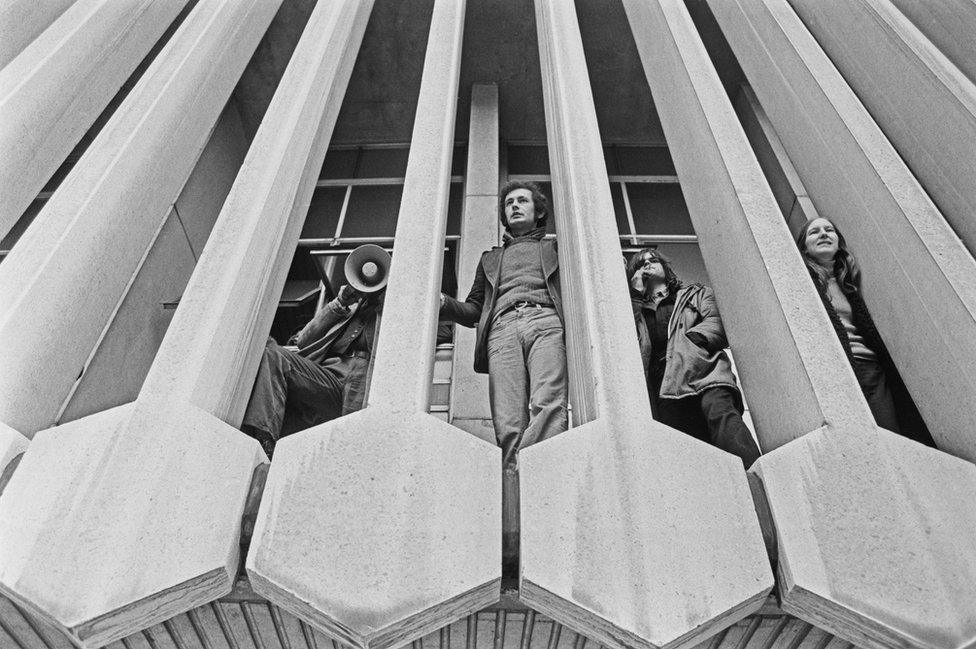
(696, 392)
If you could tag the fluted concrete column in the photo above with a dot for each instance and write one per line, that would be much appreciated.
(73, 264)
(949, 25)
(787, 187)
(922, 102)
(58, 85)
(21, 21)
(124, 518)
(919, 280)
(384, 525)
(622, 539)
(479, 232)
(873, 531)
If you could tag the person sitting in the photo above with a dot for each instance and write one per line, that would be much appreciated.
(837, 277)
(689, 376)
(324, 379)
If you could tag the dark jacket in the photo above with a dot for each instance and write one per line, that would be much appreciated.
(689, 368)
(479, 307)
(906, 411)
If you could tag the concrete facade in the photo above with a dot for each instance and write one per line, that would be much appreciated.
(152, 236)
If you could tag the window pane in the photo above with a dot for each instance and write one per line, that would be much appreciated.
(528, 160)
(643, 161)
(659, 208)
(619, 209)
(339, 163)
(372, 211)
(323, 212)
(383, 163)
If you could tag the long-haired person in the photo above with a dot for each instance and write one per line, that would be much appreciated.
(837, 277)
(682, 343)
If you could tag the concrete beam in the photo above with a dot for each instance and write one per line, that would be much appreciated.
(479, 232)
(923, 103)
(58, 85)
(868, 499)
(384, 525)
(74, 263)
(621, 539)
(908, 253)
(21, 21)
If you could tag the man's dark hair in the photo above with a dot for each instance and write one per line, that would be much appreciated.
(540, 200)
(637, 260)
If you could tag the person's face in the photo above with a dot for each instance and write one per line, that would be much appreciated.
(651, 269)
(821, 242)
(520, 210)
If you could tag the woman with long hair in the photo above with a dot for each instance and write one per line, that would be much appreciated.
(682, 342)
(837, 276)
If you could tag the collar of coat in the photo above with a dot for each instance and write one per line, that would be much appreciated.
(535, 233)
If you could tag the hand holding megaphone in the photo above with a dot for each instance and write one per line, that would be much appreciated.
(367, 268)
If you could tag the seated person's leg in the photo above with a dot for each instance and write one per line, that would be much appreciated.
(354, 384)
(286, 379)
(723, 412)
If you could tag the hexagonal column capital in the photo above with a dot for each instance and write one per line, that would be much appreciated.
(639, 536)
(875, 537)
(125, 518)
(380, 527)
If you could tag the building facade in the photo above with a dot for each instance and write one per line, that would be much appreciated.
(182, 178)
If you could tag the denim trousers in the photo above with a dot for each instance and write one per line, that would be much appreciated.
(714, 416)
(292, 393)
(526, 378)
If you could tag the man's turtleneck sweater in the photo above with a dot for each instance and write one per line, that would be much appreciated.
(521, 278)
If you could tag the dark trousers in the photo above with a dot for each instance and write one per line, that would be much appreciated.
(292, 393)
(714, 416)
(871, 377)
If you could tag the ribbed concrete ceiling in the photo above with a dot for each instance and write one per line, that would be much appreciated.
(499, 46)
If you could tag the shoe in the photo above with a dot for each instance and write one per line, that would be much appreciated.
(263, 437)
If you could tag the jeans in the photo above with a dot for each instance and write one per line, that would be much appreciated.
(307, 392)
(871, 377)
(714, 416)
(526, 378)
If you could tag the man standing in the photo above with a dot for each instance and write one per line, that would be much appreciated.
(682, 342)
(516, 306)
(324, 379)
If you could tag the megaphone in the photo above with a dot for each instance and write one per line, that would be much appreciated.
(368, 268)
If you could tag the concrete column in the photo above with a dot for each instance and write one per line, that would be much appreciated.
(385, 525)
(922, 102)
(621, 536)
(62, 281)
(873, 531)
(21, 21)
(949, 25)
(126, 517)
(55, 89)
(787, 187)
(919, 279)
(479, 232)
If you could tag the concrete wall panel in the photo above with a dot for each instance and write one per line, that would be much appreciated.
(21, 21)
(949, 24)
